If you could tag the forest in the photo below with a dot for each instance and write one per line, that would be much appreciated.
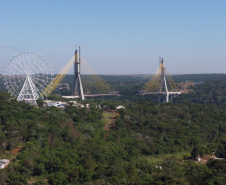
(146, 143)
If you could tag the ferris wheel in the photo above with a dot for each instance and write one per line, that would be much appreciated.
(27, 75)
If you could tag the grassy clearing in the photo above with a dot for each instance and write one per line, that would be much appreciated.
(159, 159)
(107, 116)
(109, 119)
(11, 154)
(8, 155)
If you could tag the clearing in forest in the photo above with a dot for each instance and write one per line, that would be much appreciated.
(159, 159)
(109, 118)
(11, 154)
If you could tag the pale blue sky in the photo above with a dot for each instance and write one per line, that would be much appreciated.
(121, 36)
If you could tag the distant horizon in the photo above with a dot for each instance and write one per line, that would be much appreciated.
(142, 74)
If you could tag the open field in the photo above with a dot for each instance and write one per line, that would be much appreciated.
(109, 118)
(159, 159)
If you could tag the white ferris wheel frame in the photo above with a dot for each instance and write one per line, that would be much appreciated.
(27, 74)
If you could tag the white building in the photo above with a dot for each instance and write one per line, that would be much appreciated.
(120, 107)
(4, 163)
(55, 104)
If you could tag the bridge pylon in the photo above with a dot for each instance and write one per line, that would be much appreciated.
(162, 81)
(158, 84)
(92, 86)
(77, 82)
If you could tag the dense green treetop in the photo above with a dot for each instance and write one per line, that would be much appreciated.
(70, 146)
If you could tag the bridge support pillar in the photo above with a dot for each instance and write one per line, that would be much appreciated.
(77, 85)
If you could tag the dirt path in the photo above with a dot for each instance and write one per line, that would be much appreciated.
(16, 150)
(110, 119)
(11, 154)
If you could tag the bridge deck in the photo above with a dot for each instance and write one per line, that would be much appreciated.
(90, 95)
(95, 95)
(70, 97)
(159, 93)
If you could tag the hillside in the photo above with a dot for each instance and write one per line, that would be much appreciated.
(149, 143)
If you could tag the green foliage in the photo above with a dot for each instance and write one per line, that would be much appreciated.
(210, 92)
(148, 143)
(40, 102)
(3, 178)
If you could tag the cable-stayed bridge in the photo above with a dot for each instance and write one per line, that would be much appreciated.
(161, 84)
(88, 86)
(93, 85)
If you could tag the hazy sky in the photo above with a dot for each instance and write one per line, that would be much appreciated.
(120, 36)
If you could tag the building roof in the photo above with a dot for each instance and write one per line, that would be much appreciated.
(120, 107)
(4, 160)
